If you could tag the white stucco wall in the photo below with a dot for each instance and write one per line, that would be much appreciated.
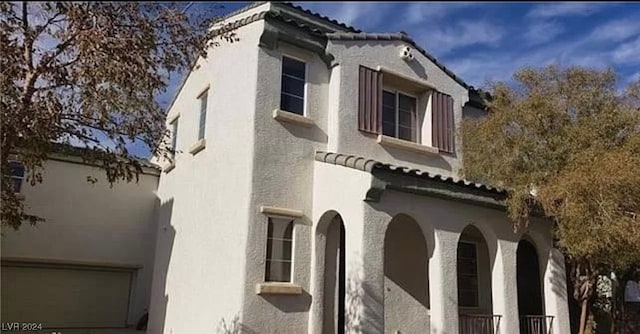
(350, 55)
(92, 224)
(199, 281)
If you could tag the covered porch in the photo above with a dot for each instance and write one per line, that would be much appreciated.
(398, 251)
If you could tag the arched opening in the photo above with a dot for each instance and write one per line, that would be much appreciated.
(530, 303)
(475, 306)
(406, 277)
(334, 278)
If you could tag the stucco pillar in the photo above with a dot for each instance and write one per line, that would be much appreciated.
(443, 283)
(504, 286)
(555, 291)
(371, 287)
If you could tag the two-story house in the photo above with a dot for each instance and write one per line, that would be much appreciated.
(315, 188)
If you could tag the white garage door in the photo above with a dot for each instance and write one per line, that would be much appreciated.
(65, 297)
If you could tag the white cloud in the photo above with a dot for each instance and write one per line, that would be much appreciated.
(627, 53)
(542, 32)
(616, 30)
(563, 9)
(444, 38)
(420, 12)
(362, 15)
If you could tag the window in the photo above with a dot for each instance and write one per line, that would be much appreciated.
(203, 113)
(174, 137)
(279, 245)
(467, 274)
(293, 85)
(399, 115)
(392, 104)
(17, 175)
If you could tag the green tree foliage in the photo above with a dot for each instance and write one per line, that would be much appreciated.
(87, 74)
(566, 143)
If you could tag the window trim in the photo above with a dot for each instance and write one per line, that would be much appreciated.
(306, 82)
(396, 92)
(475, 245)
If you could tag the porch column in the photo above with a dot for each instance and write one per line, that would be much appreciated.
(443, 283)
(555, 291)
(365, 274)
(505, 286)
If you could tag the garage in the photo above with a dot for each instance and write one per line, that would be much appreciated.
(65, 295)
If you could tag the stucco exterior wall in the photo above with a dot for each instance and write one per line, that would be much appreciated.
(283, 177)
(199, 282)
(92, 224)
(350, 55)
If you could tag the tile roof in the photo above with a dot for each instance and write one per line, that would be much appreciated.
(350, 32)
(297, 8)
(322, 17)
(369, 165)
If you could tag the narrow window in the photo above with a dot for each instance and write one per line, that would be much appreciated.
(279, 245)
(467, 274)
(174, 137)
(203, 113)
(293, 85)
(17, 175)
(399, 116)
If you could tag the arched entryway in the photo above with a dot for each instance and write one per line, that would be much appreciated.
(406, 277)
(530, 302)
(333, 321)
(475, 307)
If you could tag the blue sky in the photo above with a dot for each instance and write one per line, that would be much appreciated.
(489, 41)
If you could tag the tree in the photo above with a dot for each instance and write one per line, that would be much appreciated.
(566, 143)
(87, 74)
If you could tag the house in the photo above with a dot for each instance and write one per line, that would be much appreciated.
(315, 188)
(89, 264)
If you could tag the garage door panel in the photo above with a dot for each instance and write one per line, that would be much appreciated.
(65, 297)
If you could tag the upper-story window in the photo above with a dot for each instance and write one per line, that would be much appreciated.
(395, 105)
(202, 98)
(17, 175)
(399, 115)
(292, 93)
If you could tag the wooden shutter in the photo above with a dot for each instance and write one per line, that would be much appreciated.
(442, 122)
(370, 100)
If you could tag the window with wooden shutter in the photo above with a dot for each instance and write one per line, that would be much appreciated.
(442, 122)
(370, 100)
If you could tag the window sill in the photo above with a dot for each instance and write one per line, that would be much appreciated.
(278, 288)
(168, 167)
(198, 146)
(406, 145)
(289, 117)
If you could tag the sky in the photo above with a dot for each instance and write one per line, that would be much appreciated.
(482, 42)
